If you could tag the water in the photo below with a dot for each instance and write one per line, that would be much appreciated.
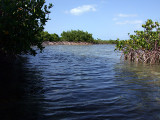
(81, 83)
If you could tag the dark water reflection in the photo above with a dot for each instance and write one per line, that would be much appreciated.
(19, 91)
(80, 83)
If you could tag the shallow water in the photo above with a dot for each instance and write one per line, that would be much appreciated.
(82, 83)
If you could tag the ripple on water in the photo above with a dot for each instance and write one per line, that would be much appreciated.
(91, 83)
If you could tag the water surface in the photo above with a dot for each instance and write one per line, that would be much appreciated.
(84, 83)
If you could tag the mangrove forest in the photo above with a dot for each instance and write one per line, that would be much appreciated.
(73, 36)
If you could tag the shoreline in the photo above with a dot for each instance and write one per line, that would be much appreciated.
(46, 43)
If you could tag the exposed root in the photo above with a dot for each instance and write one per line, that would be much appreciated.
(143, 56)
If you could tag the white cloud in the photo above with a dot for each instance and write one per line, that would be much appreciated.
(82, 9)
(130, 22)
(127, 15)
(124, 16)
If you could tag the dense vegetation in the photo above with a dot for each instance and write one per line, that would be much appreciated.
(74, 36)
(50, 37)
(144, 46)
(70, 36)
(21, 23)
(77, 36)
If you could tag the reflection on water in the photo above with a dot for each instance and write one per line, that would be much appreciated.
(80, 83)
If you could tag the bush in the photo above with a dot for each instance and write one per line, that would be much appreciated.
(144, 46)
(77, 36)
(49, 37)
(54, 38)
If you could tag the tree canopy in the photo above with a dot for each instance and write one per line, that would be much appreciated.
(74, 36)
(77, 36)
(49, 37)
(21, 24)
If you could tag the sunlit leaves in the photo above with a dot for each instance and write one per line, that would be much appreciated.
(141, 39)
(147, 40)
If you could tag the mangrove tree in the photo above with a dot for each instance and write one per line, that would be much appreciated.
(144, 46)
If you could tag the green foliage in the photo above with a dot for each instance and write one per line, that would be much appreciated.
(149, 39)
(74, 36)
(21, 23)
(77, 36)
(49, 37)
(54, 38)
(45, 36)
(142, 42)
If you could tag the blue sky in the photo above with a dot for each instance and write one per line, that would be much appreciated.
(105, 19)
